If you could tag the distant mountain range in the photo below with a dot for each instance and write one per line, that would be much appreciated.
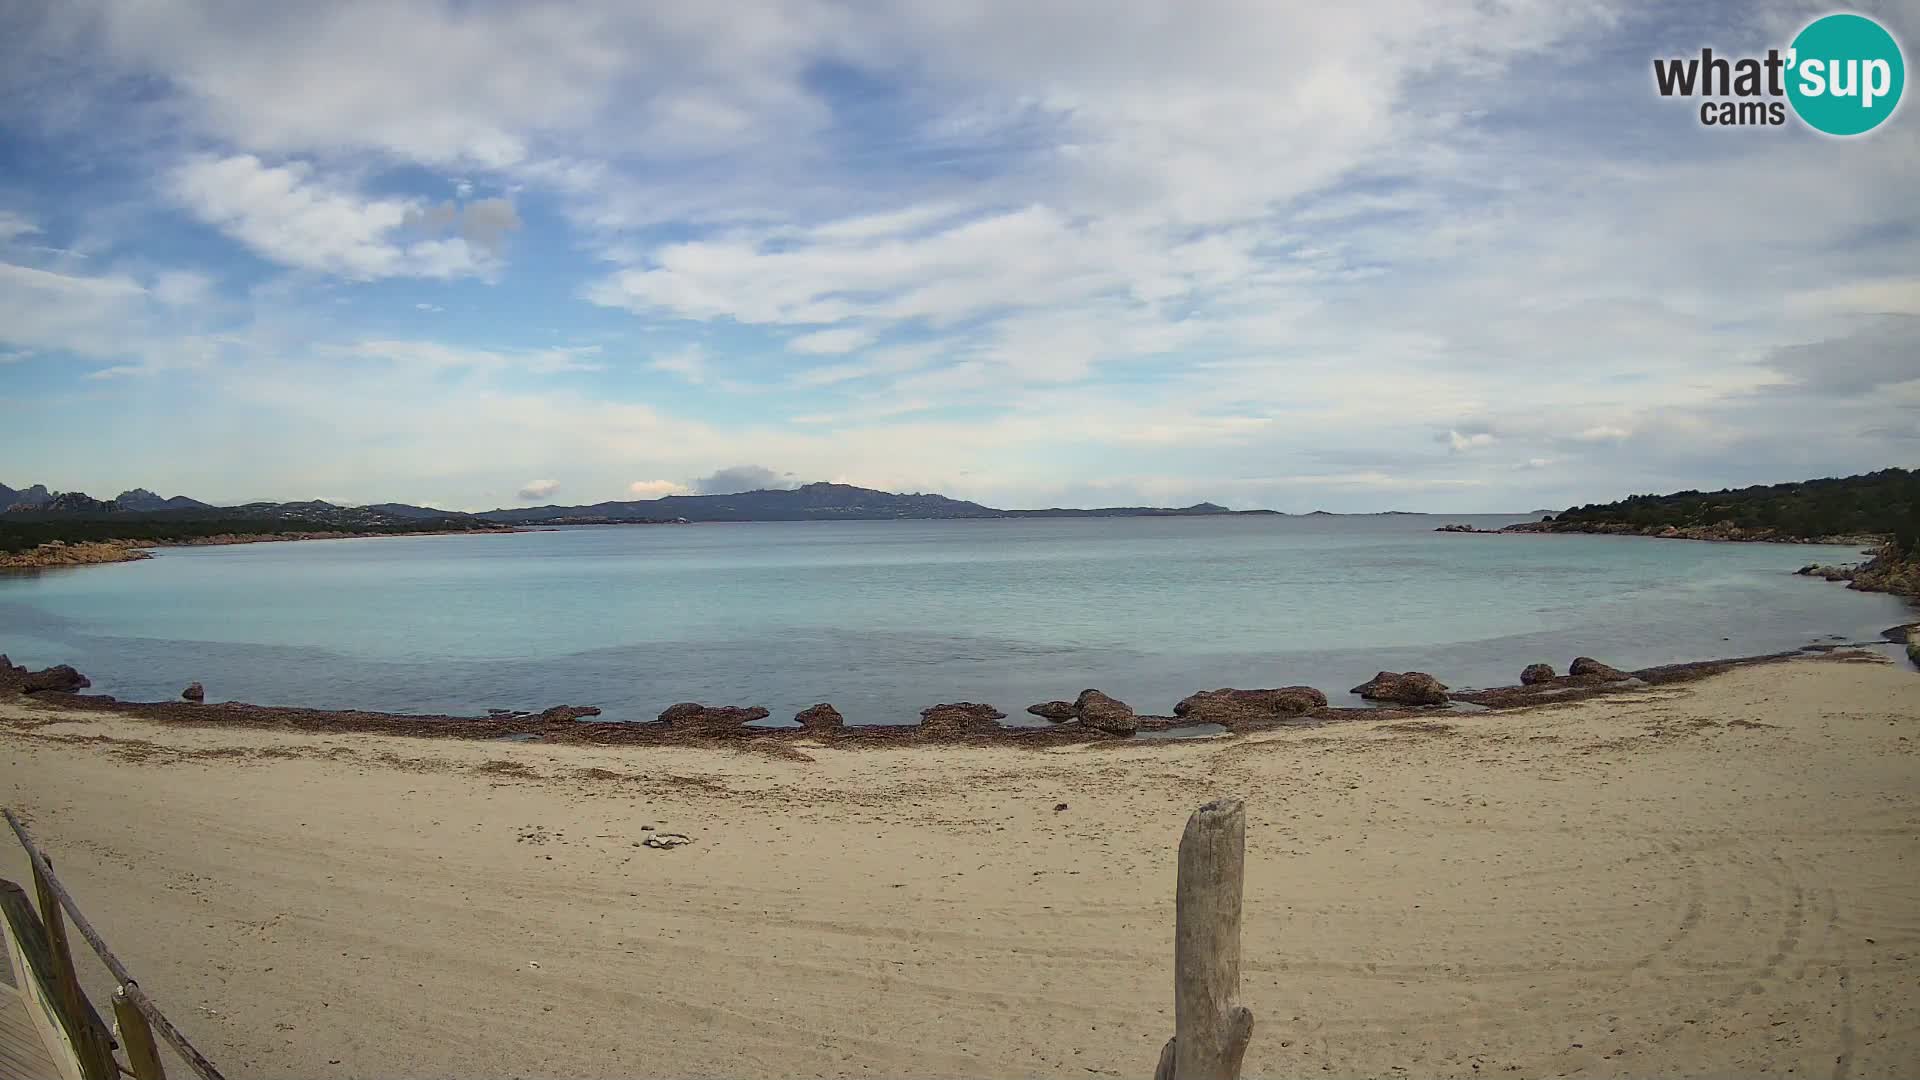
(809, 502)
(139, 500)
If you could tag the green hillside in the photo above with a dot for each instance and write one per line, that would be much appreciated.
(1884, 503)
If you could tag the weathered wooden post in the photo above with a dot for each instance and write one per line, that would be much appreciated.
(96, 1059)
(1210, 1030)
(137, 1037)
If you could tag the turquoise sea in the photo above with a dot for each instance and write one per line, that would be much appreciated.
(884, 618)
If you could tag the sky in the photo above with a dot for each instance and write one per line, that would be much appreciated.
(1373, 255)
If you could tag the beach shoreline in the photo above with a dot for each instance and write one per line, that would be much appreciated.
(732, 726)
(1700, 878)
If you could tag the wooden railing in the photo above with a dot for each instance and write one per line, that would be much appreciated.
(1211, 1029)
(46, 959)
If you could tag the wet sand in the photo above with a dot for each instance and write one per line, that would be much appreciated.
(1719, 877)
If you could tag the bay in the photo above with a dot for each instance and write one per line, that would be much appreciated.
(885, 618)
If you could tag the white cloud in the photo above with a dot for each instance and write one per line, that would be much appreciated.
(1149, 261)
(1885, 296)
(892, 360)
(90, 315)
(829, 342)
(13, 225)
(286, 214)
(1464, 443)
(182, 288)
(742, 478)
(655, 489)
(689, 363)
(436, 356)
(1603, 433)
(538, 489)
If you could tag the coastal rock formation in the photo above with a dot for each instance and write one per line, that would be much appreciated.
(11, 674)
(60, 678)
(1586, 667)
(1056, 711)
(1889, 572)
(1404, 688)
(1721, 531)
(1229, 707)
(822, 717)
(1536, 673)
(1103, 713)
(1829, 573)
(194, 692)
(81, 553)
(693, 716)
(960, 718)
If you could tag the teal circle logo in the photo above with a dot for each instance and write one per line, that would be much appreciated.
(1845, 74)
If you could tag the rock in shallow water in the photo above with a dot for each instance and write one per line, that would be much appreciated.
(1588, 667)
(821, 717)
(1536, 673)
(194, 692)
(1103, 713)
(1056, 711)
(1404, 688)
(693, 716)
(1227, 706)
(60, 678)
(960, 718)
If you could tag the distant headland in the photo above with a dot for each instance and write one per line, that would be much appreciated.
(44, 528)
(1881, 509)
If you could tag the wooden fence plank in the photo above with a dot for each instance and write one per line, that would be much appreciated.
(137, 1038)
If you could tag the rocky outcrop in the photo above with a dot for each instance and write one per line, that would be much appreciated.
(74, 502)
(1536, 673)
(1230, 708)
(1404, 688)
(1097, 711)
(28, 499)
(58, 553)
(1586, 667)
(194, 692)
(1056, 711)
(60, 678)
(960, 718)
(568, 712)
(1829, 573)
(11, 675)
(1722, 531)
(693, 716)
(822, 717)
(1103, 713)
(1889, 572)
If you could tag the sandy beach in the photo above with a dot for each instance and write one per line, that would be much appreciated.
(1718, 878)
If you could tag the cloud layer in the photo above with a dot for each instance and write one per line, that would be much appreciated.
(1368, 255)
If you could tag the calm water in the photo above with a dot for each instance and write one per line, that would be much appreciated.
(883, 618)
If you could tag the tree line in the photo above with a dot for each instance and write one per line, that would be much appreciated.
(1885, 503)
